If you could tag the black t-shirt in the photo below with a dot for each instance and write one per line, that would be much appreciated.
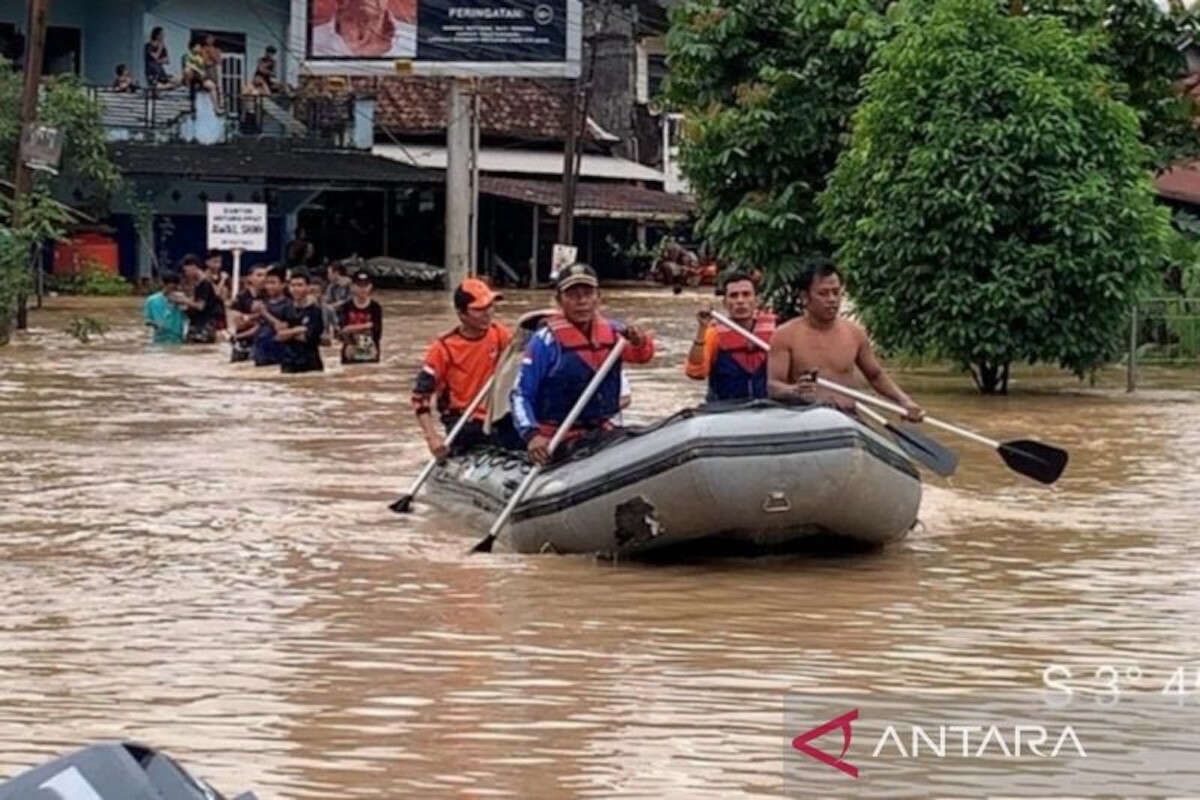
(244, 300)
(303, 354)
(211, 306)
(357, 351)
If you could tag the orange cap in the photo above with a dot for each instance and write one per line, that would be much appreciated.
(474, 293)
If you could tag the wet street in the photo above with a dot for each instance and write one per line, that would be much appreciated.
(199, 555)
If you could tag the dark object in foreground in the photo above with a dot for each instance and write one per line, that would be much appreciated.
(111, 771)
(1040, 461)
(924, 449)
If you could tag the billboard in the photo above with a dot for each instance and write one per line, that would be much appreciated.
(439, 37)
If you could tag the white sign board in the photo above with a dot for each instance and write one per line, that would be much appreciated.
(237, 226)
(561, 257)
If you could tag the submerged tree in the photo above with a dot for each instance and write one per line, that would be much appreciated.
(994, 204)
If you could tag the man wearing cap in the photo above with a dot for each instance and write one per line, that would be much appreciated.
(360, 323)
(456, 367)
(735, 368)
(562, 358)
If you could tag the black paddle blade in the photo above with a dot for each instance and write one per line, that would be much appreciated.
(402, 505)
(925, 450)
(484, 545)
(1042, 462)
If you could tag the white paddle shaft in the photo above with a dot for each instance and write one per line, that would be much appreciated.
(560, 434)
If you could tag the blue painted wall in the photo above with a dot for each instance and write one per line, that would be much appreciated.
(114, 31)
(264, 22)
(112, 36)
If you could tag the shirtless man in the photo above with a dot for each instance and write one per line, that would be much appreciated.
(821, 343)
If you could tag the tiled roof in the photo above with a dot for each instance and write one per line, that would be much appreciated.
(522, 108)
(264, 159)
(1181, 182)
(615, 199)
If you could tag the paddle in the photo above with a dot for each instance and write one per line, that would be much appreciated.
(1037, 460)
(919, 447)
(528, 322)
(485, 544)
(402, 505)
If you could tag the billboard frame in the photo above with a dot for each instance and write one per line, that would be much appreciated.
(302, 64)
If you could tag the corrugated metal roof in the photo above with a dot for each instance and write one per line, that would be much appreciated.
(265, 159)
(593, 198)
(529, 162)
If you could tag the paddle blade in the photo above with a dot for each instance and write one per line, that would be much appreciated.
(925, 450)
(484, 545)
(402, 505)
(1042, 462)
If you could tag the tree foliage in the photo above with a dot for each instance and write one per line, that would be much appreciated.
(63, 103)
(1141, 44)
(768, 88)
(993, 205)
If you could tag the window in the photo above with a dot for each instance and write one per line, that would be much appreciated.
(63, 49)
(651, 63)
(12, 43)
(656, 74)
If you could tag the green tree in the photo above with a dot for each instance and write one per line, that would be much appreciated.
(1141, 44)
(993, 205)
(768, 87)
(63, 103)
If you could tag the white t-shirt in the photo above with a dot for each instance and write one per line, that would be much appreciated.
(328, 43)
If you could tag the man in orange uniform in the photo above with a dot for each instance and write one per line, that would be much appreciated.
(735, 368)
(457, 365)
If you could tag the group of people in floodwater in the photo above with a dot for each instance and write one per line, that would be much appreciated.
(278, 316)
(281, 317)
(568, 347)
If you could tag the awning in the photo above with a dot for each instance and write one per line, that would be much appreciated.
(247, 159)
(528, 162)
(593, 199)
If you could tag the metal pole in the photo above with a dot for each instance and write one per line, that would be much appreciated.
(35, 44)
(1131, 363)
(237, 272)
(565, 217)
(473, 265)
(458, 184)
(533, 253)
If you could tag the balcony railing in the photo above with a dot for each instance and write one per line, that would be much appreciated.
(158, 113)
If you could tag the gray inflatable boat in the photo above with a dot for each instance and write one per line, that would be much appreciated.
(111, 771)
(757, 476)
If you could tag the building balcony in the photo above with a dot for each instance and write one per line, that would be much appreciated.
(180, 115)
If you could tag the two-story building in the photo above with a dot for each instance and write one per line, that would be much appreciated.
(357, 162)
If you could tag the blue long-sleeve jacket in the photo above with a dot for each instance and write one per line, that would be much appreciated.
(558, 364)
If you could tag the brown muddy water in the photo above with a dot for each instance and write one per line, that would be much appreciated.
(199, 555)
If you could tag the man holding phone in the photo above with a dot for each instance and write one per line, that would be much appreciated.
(823, 343)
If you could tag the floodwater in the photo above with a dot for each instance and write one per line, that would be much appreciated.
(199, 555)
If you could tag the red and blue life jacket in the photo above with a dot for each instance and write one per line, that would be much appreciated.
(739, 369)
(580, 358)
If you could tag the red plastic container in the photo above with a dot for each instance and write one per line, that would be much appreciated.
(81, 249)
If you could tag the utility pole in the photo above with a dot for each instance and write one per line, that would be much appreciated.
(458, 182)
(475, 123)
(573, 150)
(566, 216)
(35, 45)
